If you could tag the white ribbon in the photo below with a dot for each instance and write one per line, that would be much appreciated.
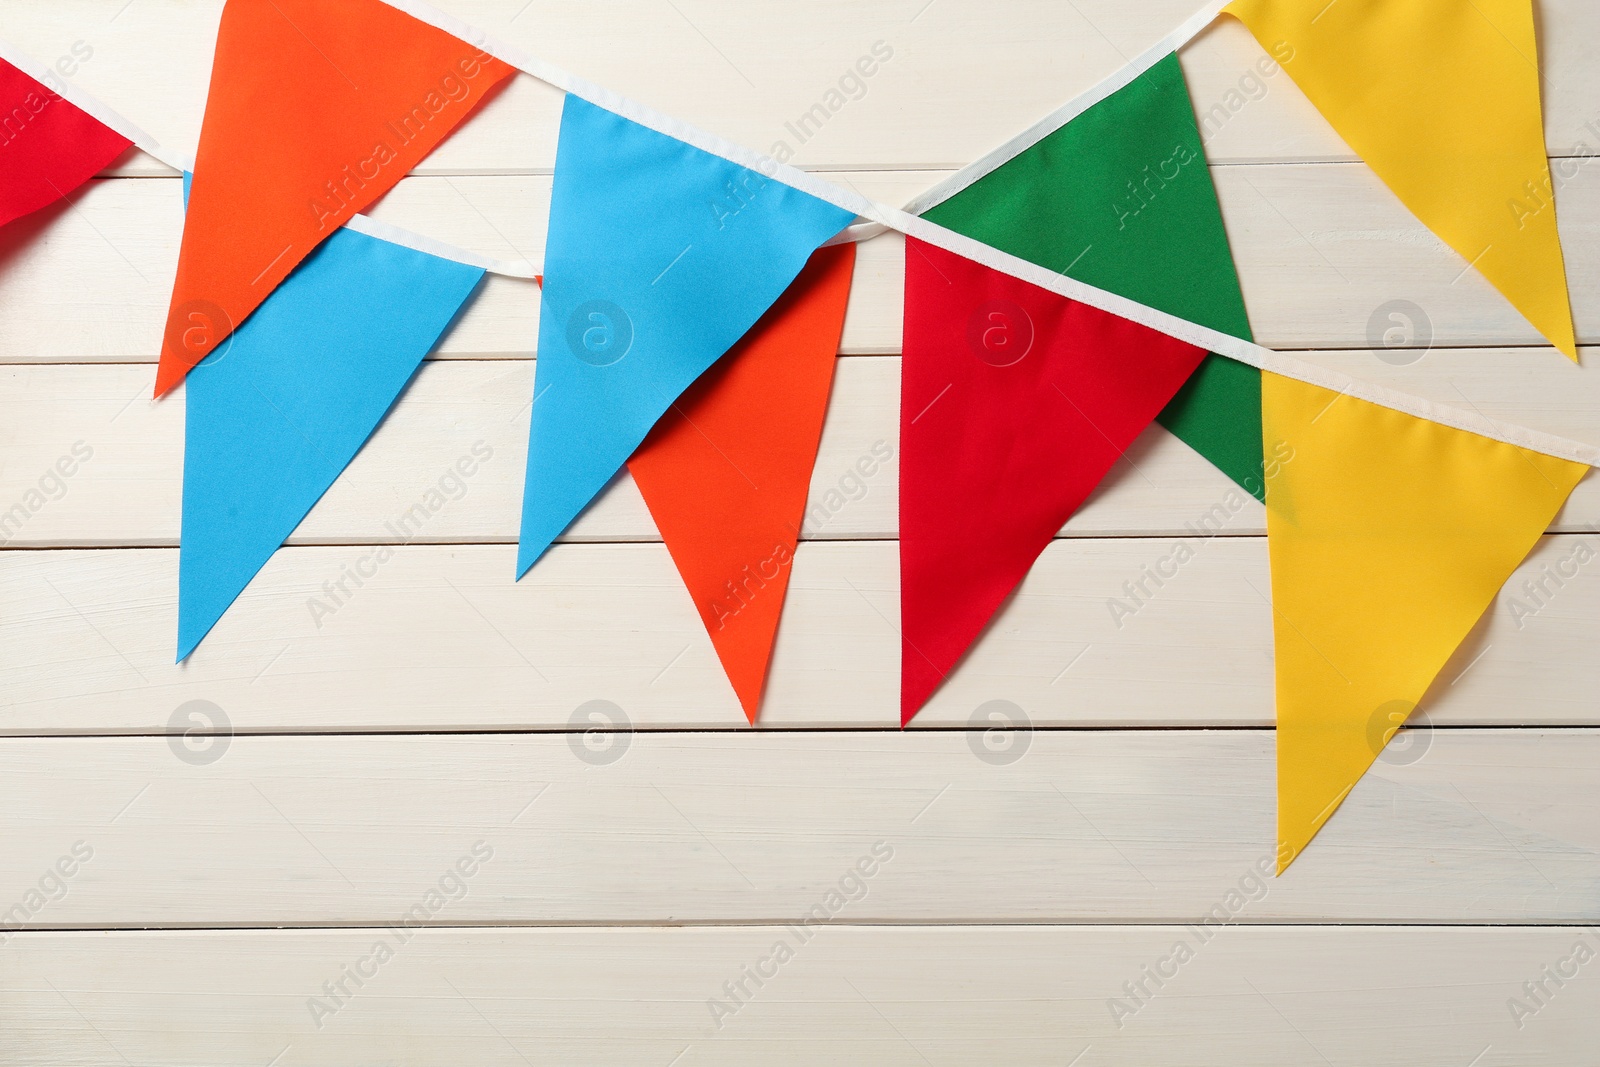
(880, 218)
(1067, 112)
(181, 163)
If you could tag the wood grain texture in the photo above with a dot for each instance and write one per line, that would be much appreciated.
(439, 638)
(913, 996)
(129, 492)
(1320, 248)
(1101, 826)
(963, 78)
(621, 895)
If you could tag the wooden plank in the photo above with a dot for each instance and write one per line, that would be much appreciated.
(129, 491)
(439, 638)
(960, 78)
(979, 831)
(1097, 826)
(1320, 249)
(1249, 996)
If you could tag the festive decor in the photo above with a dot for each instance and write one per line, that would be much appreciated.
(48, 146)
(276, 413)
(1389, 538)
(1015, 402)
(1441, 98)
(659, 257)
(1060, 294)
(1120, 197)
(727, 469)
(315, 111)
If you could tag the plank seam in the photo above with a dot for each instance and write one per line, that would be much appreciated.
(1565, 530)
(732, 729)
(156, 930)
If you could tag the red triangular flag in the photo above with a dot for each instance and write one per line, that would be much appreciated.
(48, 147)
(726, 471)
(316, 109)
(1015, 402)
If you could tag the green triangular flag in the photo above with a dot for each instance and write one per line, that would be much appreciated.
(1121, 198)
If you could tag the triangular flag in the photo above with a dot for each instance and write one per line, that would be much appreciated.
(316, 109)
(659, 257)
(1389, 537)
(1441, 98)
(1015, 402)
(1121, 198)
(726, 470)
(47, 145)
(282, 408)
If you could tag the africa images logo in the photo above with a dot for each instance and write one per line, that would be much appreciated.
(599, 333)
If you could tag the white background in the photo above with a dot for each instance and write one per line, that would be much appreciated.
(433, 710)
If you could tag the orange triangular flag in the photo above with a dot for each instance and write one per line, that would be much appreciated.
(316, 110)
(726, 471)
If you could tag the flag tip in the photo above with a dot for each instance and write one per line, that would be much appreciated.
(749, 684)
(166, 380)
(531, 552)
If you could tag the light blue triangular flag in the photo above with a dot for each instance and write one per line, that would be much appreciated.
(282, 408)
(660, 256)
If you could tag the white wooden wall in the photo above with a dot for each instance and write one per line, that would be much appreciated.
(1018, 881)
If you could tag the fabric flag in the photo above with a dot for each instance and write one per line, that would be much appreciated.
(1015, 402)
(282, 408)
(1121, 198)
(659, 257)
(726, 471)
(1389, 537)
(316, 110)
(1441, 98)
(48, 147)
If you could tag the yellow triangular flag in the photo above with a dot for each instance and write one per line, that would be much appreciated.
(1389, 537)
(1441, 98)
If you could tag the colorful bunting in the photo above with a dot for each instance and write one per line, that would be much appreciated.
(1390, 529)
(1389, 537)
(1121, 198)
(282, 408)
(659, 257)
(48, 146)
(726, 470)
(316, 110)
(1441, 98)
(1015, 402)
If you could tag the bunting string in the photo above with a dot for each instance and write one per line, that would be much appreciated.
(508, 268)
(1432, 505)
(92, 107)
(881, 218)
(183, 164)
(1064, 114)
